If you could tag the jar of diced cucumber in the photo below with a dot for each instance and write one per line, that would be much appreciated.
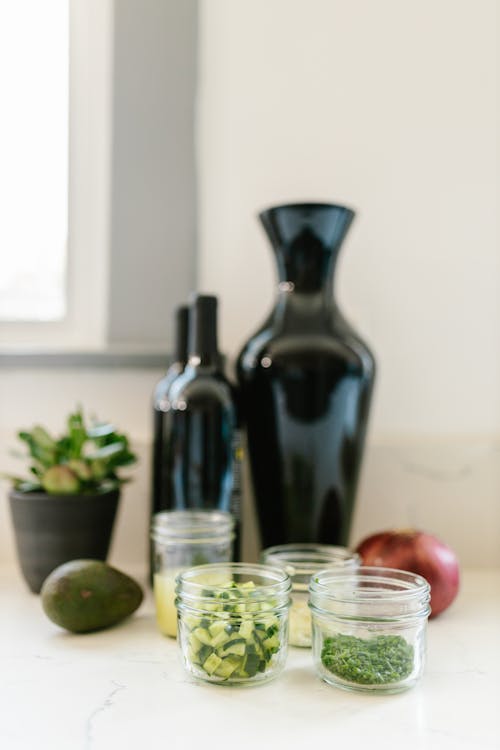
(233, 622)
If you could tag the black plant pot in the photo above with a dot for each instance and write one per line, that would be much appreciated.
(52, 529)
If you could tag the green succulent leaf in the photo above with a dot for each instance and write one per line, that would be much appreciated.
(107, 451)
(77, 434)
(27, 486)
(100, 430)
(84, 459)
(60, 480)
(41, 437)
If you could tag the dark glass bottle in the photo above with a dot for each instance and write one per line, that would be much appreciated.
(161, 496)
(203, 444)
(305, 385)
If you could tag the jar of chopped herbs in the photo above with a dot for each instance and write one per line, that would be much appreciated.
(369, 627)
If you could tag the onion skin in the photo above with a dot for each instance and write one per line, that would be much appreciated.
(416, 552)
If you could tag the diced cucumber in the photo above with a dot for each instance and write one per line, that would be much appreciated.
(246, 629)
(194, 643)
(220, 639)
(237, 637)
(216, 627)
(237, 648)
(227, 667)
(212, 663)
(191, 621)
(203, 654)
(271, 644)
(203, 636)
(247, 586)
(252, 664)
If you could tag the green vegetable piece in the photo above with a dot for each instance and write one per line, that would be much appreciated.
(204, 652)
(246, 629)
(216, 627)
(211, 664)
(236, 648)
(194, 644)
(227, 667)
(86, 595)
(203, 636)
(220, 639)
(247, 586)
(252, 664)
(271, 644)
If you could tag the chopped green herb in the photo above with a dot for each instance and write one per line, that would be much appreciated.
(371, 661)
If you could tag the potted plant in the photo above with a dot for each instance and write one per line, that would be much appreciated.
(66, 509)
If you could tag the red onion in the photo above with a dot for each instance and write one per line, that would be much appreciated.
(417, 552)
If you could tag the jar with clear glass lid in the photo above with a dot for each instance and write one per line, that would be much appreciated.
(301, 561)
(369, 627)
(233, 622)
(182, 539)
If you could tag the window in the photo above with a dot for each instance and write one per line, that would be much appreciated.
(34, 68)
(97, 174)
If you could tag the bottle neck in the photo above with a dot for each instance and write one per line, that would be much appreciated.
(203, 350)
(181, 336)
(306, 285)
(306, 238)
(306, 273)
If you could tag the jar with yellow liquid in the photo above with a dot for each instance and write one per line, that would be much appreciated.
(183, 539)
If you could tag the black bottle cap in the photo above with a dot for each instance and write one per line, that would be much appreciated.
(203, 328)
(181, 334)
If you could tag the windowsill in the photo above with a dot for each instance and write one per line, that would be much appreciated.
(91, 359)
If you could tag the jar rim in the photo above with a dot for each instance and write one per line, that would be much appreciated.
(382, 581)
(279, 586)
(307, 557)
(369, 593)
(191, 525)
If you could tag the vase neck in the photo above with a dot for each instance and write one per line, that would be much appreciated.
(306, 238)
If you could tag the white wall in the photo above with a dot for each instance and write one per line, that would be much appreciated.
(389, 107)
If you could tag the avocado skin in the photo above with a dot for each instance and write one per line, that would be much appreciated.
(86, 595)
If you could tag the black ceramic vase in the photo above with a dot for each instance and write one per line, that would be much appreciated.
(53, 529)
(305, 381)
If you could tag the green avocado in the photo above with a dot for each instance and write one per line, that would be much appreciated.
(86, 595)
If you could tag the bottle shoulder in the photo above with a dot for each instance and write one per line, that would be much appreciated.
(288, 346)
(162, 388)
(195, 384)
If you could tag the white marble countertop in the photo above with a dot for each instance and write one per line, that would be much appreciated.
(125, 688)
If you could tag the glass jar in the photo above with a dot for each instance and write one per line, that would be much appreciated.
(369, 627)
(301, 561)
(233, 622)
(182, 539)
